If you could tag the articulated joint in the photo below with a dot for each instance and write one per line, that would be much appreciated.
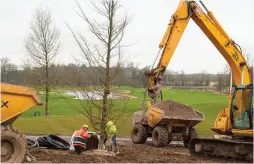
(242, 64)
(150, 73)
(154, 84)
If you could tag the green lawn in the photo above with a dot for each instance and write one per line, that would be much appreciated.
(64, 125)
(64, 117)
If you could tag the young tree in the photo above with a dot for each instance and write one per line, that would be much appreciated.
(42, 46)
(104, 57)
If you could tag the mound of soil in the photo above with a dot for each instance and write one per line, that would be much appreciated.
(173, 108)
(129, 153)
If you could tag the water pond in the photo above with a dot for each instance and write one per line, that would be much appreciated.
(92, 95)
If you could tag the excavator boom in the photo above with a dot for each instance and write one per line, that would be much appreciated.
(212, 29)
(236, 119)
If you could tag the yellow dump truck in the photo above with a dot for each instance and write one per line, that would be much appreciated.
(165, 121)
(14, 101)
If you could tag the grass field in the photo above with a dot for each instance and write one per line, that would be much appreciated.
(64, 117)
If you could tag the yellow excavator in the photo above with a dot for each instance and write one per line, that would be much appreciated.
(234, 122)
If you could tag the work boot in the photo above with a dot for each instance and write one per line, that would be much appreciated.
(117, 149)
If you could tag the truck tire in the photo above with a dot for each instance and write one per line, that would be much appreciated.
(186, 143)
(160, 136)
(193, 134)
(13, 145)
(170, 137)
(139, 134)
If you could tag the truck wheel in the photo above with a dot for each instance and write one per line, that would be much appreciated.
(170, 137)
(193, 134)
(186, 143)
(160, 136)
(13, 145)
(139, 134)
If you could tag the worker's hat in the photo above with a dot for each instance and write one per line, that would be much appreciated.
(109, 123)
(85, 126)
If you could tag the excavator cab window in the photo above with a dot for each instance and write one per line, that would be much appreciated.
(241, 108)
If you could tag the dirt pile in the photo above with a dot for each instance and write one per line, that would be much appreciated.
(173, 108)
(129, 153)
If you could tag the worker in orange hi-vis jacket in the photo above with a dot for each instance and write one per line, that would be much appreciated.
(80, 139)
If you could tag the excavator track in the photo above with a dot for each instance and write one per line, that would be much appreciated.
(228, 148)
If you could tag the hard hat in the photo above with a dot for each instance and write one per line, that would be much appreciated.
(85, 126)
(109, 123)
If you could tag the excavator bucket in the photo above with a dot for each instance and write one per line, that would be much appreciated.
(154, 115)
(15, 100)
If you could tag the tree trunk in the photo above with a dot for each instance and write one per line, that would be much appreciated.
(47, 88)
(220, 84)
(107, 77)
(46, 104)
(103, 119)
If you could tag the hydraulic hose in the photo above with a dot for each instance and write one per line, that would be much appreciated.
(32, 143)
(49, 141)
(238, 47)
(58, 142)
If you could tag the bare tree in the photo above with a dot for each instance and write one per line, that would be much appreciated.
(220, 82)
(42, 46)
(250, 61)
(182, 78)
(248, 57)
(202, 79)
(104, 57)
(7, 70)
(223, 79)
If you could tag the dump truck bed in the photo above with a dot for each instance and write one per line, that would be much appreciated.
(16, 100)
(172, 112)
(176, 110)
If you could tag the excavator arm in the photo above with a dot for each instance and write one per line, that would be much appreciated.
(168, 44)
(212, 29)
(239, 102)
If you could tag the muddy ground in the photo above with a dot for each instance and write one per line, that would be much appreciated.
(129, 153)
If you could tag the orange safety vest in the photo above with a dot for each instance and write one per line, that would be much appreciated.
(80, 138)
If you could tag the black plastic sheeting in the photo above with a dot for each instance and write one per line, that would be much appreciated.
(50, 141)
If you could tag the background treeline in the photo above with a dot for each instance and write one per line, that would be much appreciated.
(129, 75)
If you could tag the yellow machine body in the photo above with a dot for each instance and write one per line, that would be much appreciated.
(236, 119)
(226, 46)
(15, 100)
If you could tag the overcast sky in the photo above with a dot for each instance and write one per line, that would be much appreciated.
(194, 53)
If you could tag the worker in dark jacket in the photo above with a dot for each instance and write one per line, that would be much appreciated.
(80, 139)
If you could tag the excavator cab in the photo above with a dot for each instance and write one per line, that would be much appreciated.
(241, 109)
